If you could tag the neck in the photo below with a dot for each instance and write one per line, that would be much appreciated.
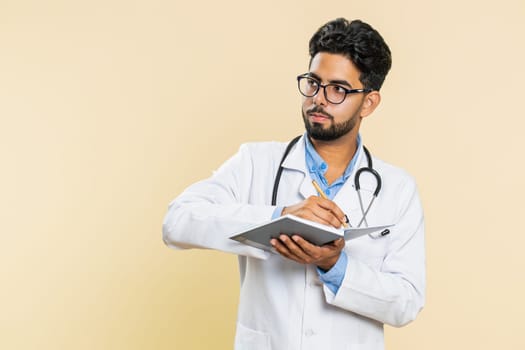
(337, 153)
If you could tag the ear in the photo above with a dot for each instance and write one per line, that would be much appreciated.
(371, 101)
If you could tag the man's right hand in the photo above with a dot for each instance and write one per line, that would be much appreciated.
(319, 210)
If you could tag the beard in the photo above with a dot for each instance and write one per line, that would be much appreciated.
(317, 131)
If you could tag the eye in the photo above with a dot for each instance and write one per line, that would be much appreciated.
(311, 83)
(339, 89)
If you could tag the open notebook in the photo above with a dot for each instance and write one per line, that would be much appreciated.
(259, 235)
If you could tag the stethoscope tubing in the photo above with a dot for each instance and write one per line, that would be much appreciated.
(369, 169)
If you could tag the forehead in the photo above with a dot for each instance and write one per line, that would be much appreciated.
(329, 66)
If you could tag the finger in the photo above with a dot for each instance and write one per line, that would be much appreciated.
(339, 243)
(319, 252)
(279, 247)
(294, 249)
(327, 217)
(317, 214)
(282, 249)
(308, 248)
(321, 209)
(325, 211)
(333, 208)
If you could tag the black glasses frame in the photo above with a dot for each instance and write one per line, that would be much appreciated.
(319, 86)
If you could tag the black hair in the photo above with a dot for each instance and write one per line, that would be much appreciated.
(360, 43)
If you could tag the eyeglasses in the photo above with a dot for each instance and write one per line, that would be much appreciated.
(333, 93)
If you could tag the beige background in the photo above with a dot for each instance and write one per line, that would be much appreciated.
(109, 109)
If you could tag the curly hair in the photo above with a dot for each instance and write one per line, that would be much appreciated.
(360, 43)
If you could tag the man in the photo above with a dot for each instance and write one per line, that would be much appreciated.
(336, 296)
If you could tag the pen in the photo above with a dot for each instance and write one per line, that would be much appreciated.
(322, 194)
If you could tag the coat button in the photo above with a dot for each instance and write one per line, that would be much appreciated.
(309, 332)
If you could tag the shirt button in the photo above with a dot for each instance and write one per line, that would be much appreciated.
(323, 166)
(309, 332)
(327, 192)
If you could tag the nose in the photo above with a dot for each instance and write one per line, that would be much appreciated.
(319, 98)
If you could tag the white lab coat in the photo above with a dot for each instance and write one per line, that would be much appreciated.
(283, 304)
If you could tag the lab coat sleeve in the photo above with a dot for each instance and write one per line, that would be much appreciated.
(394, 292)
(207, 213)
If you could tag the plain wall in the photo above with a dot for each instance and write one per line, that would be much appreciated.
(109, 109)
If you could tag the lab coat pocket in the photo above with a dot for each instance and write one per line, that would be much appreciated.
(370, 249)
(250, 339)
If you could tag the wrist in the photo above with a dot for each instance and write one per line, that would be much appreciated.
(327, 265)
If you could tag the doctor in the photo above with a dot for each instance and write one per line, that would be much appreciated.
(337, 296)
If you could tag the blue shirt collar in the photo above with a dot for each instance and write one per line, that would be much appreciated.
(316, 164)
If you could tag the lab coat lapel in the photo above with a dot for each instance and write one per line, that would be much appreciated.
(296, 160)
(347, 198)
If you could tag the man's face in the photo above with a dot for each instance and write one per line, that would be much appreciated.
(324, 120)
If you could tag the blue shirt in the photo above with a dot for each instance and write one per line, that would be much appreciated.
(317, 168)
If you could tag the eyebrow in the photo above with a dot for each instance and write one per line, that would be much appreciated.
(339, 82)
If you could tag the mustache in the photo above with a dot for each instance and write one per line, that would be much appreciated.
(319, 110)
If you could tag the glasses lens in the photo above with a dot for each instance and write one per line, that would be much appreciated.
(335, 93)
(308, 86)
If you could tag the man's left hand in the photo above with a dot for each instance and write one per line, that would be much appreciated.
(302, 251)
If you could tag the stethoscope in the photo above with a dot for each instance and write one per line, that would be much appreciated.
(368, 169)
